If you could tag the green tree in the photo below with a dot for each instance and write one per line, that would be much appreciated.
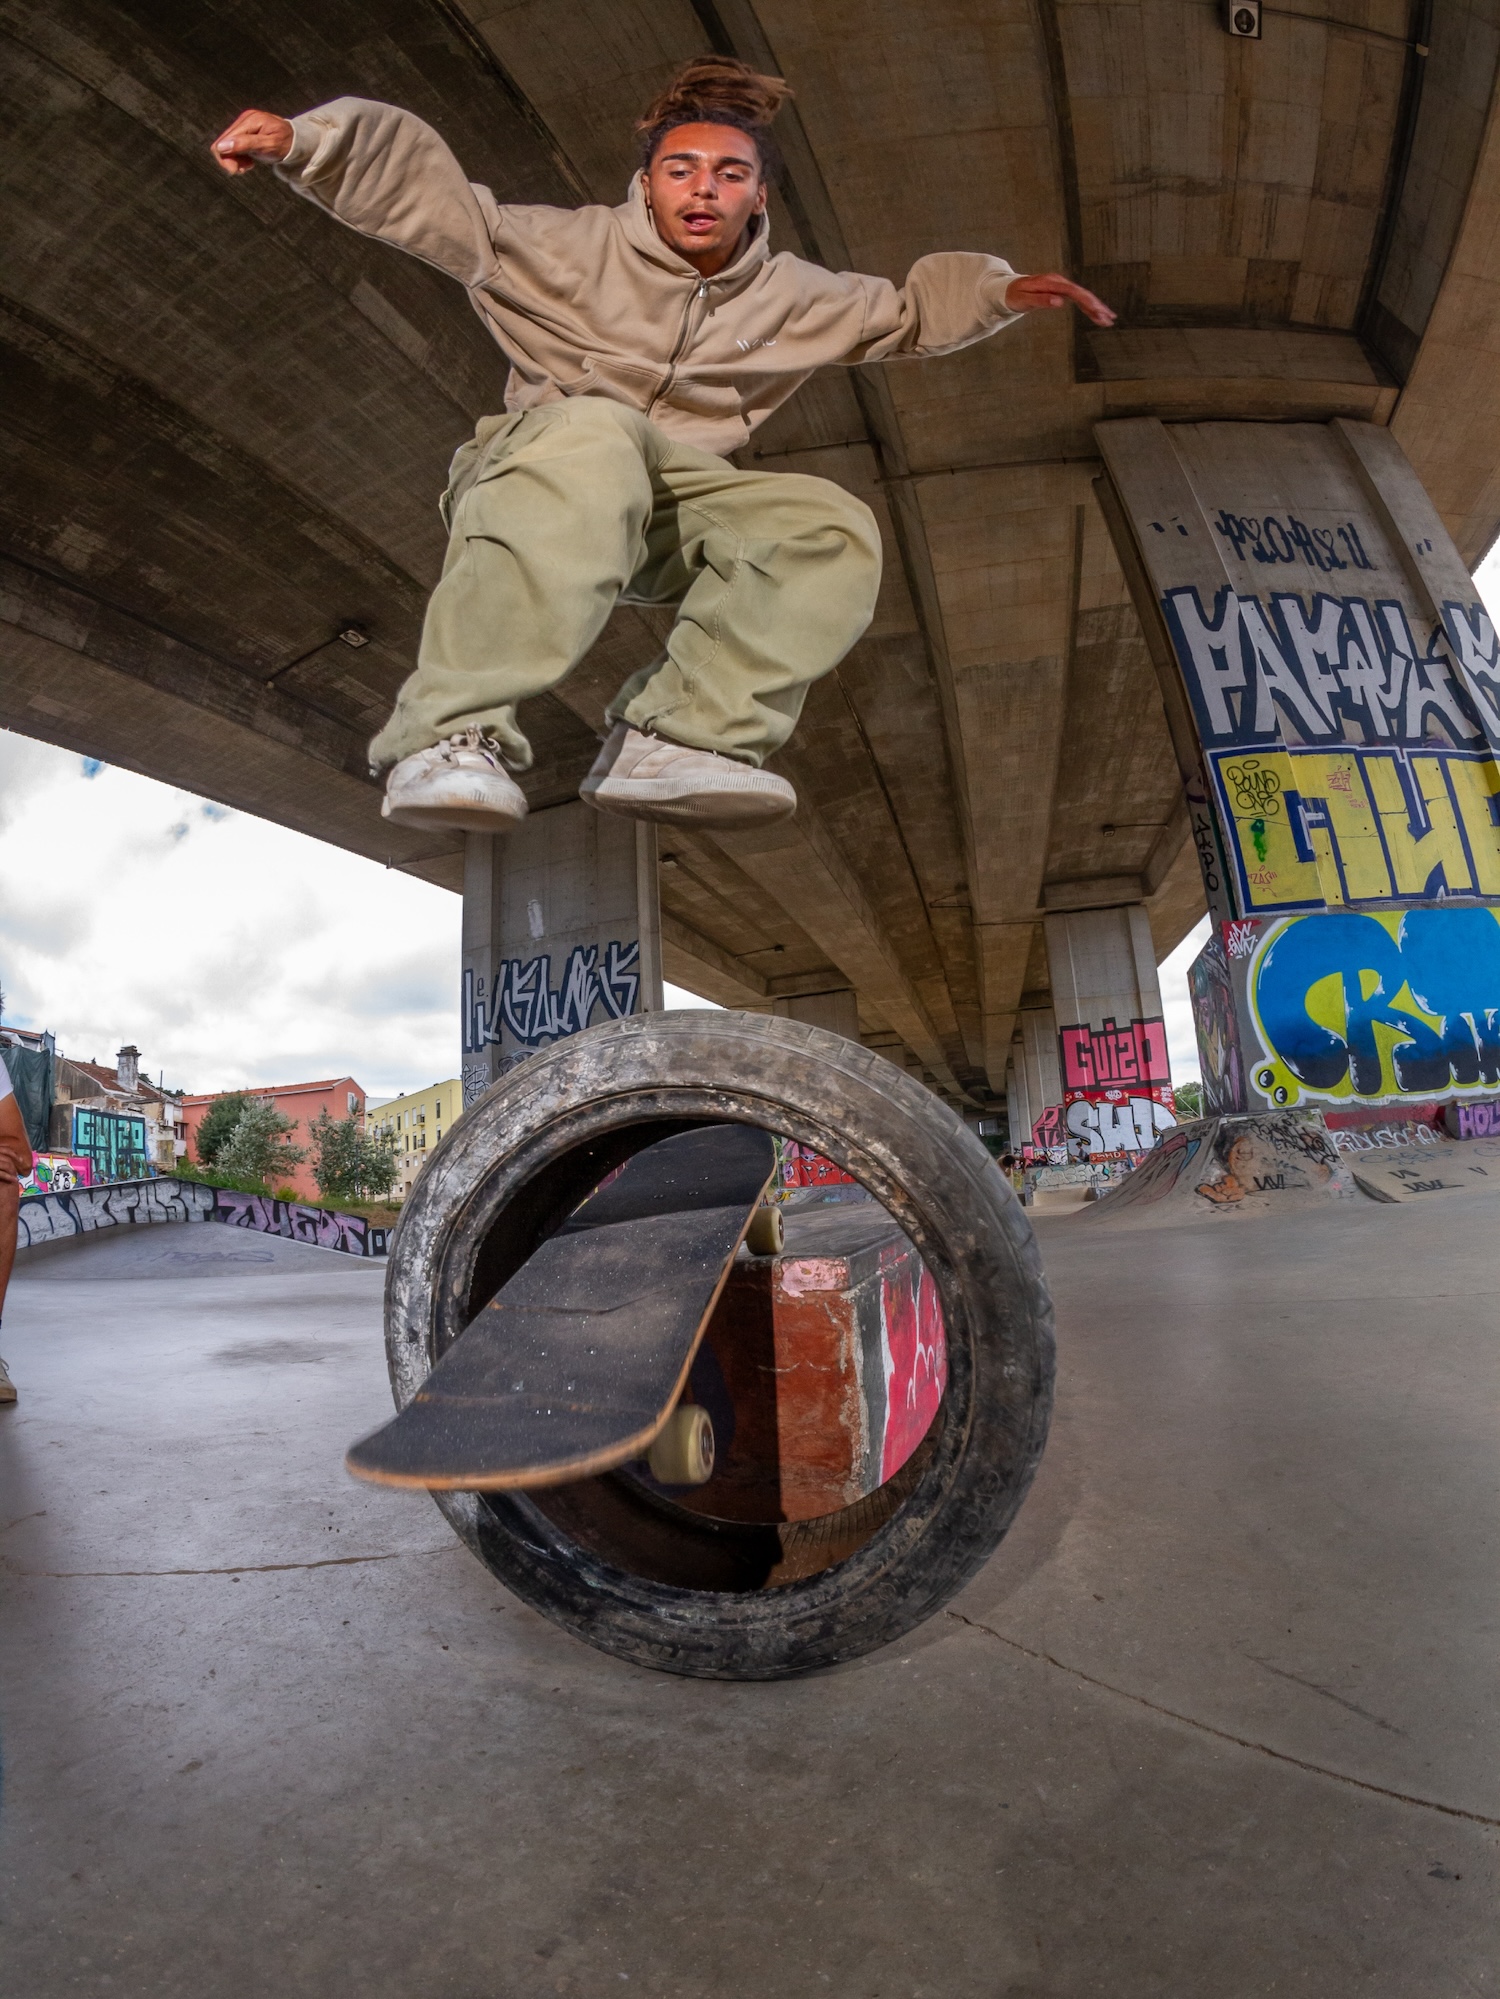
(1189, 1101)
(217, 1128)
(350, 1164)
(258, 1145)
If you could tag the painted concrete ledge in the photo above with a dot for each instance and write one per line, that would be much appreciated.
(54, 1218)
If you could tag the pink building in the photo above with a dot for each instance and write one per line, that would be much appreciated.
(302, 1102)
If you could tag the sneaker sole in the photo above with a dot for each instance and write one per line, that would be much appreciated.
(454, 817)
(705, 808)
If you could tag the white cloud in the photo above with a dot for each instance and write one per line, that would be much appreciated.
(1177, 1008)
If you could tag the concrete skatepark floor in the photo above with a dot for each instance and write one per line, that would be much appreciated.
(1219, 1718)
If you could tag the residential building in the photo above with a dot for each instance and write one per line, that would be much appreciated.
(303, 1103)
(125, 1126)
(418, 1121)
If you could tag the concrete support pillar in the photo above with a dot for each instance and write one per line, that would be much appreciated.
(837, 1010)
(1332, 683)
(1114, 1082)
(561, 929)
(1033, 1083)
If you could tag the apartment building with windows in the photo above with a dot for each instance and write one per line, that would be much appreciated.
(417, 1121)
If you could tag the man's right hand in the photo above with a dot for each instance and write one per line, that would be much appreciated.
(254, 136)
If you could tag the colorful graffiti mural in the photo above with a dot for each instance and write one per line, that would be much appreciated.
(914, 1354)
(800, 1166)
(1371, 776)
(1377, 1007)
(57, 1173)
(55, 1214)
(113, 1142)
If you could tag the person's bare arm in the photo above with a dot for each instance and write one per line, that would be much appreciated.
(15, 1160)
(1037, 294)
(254, 138)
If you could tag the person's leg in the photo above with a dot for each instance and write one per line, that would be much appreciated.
(775, 575)
(548, 522)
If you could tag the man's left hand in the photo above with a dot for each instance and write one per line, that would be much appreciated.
(1033, 294)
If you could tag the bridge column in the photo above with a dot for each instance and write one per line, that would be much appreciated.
(1033, 1080)
(1115, 1085)
(561, 929)
(1333, 688)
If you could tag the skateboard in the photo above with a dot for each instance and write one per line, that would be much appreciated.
(577, 1363)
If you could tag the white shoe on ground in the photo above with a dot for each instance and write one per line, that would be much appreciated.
(650, 777)
(460, 783)
(7, 1386)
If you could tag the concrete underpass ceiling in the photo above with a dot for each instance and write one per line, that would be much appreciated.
(226, 421)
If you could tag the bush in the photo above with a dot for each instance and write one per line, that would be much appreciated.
(1189, 1101)
(217, 1128)
(349, 1163)
(258, 1145)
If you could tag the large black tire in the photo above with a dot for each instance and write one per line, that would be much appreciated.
(627, 1570)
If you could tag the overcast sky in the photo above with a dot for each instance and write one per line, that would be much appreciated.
(234, 952)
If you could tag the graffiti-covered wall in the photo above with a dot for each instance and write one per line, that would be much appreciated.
(55, 1216)
(1333, 682)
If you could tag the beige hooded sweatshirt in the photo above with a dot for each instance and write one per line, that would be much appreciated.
(591, 302)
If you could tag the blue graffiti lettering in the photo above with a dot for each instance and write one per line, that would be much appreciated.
(1434, 986)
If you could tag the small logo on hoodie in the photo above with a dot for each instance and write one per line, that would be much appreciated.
(745, 346)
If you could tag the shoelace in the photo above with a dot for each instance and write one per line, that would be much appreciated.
(475, 739)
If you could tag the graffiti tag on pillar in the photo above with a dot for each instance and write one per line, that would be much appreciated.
(1334, 669)
(522, 1001)
(1378, 1007)
(1272, 540)
(1098, 1058)
(1116, 1124)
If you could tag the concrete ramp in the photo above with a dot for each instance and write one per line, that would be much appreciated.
(1418, 1172)
(1220, 1167)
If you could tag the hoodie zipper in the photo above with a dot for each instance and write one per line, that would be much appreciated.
(682, 339)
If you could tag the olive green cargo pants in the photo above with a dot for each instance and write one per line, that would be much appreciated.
(556, 514)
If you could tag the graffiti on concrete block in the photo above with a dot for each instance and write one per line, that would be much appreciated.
(1114, 1123)
(1223, 1165)
(522, 1001)
(54, 1216)
(113, 1143)
(1097, 1058)
(352, 1234)
(1378, 1007)
(914, 1353)
(1480, 1119)
(57, 1173)
(1216, 1025)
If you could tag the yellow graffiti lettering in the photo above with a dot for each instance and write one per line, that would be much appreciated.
(1416, 856)
(1254, 788)
(1476, 785)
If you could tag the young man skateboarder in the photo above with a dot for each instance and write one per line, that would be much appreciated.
(645, 343)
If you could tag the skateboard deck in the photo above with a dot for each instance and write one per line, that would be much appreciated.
(576, 1364)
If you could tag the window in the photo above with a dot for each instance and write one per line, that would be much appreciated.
(352, 1100)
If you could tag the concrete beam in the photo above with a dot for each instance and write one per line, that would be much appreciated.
(691, 961)
(798, 863)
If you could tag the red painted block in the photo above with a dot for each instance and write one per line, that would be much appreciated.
(822, 1368)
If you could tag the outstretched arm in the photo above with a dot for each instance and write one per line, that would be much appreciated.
(950, 300)
(382, 171)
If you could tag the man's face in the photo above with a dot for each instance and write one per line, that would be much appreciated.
(704, 186)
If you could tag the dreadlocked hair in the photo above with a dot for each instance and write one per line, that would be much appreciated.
(716, 90)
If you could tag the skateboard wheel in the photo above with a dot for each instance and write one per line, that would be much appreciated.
(766, 1234)
(683, 1453)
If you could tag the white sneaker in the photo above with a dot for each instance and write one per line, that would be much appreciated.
(461, 783)
(650, 777)
(7, 1386)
